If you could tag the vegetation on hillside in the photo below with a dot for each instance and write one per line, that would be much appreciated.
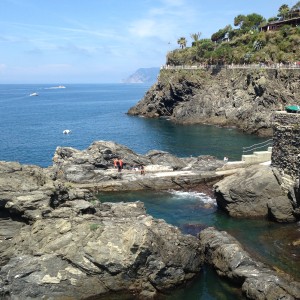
(244, 44)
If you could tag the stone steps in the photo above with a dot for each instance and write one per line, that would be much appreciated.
(257, 156)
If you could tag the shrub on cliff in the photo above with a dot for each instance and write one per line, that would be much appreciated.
(247, 44)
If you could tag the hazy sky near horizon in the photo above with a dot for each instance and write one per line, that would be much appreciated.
(105, 41)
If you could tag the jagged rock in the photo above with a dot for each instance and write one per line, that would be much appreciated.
(255, 192)
(28, 192)
(245, 98)
(63, 243)
(83, 166)
(116, 248)
(231, 261)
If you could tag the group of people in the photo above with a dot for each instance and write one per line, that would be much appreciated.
(118, 164)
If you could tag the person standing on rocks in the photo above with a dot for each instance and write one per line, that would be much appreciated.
(142, 170)
(121, 163)
(115, 163)
(118, 164)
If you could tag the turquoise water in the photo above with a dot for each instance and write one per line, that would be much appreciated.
(192, 212)
(31, 127)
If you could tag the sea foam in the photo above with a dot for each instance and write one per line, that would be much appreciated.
(193, 195)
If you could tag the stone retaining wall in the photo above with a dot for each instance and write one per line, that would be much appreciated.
(286, 143)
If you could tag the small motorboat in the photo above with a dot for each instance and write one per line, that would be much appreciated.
(34, 94)
(293, 109)
(67, 131)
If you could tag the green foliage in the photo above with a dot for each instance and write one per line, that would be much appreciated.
(286, 30)
(195, 37)
(283, 11)
(252, 22)
(238, 20)
(245, 44)
(222, 34)
(182, 42)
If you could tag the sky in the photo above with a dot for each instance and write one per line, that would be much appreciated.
(105, 41)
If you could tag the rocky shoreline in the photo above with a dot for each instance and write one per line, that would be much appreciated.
(57, 241)
(243, 98)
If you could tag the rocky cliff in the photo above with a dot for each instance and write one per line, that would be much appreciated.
(245, 98)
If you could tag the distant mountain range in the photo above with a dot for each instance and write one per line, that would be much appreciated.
(143, 75)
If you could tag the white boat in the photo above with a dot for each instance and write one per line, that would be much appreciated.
(34, 94)
(61, 87)
(67, 131)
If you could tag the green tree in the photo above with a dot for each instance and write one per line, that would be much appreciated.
(252, 22)
(196, 36)
(220, 35)
(238, 20)
(182, 42)
(283, 11)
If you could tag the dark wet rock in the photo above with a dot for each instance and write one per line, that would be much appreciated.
(229, 97)
(256, 191)
(231, 261)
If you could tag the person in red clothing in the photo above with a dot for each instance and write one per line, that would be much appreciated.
(115, 162)
(121, 163)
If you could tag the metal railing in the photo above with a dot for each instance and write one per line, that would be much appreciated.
(258, 146)
(232, 66)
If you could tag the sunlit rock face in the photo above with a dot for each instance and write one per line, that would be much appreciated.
(245, 98)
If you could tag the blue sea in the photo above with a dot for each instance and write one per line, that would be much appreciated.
(32, 127)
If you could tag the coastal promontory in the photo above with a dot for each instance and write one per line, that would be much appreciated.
(242, 97)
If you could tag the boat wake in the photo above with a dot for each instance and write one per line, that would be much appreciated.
(55, 87)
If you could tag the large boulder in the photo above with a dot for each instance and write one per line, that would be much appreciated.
(116, 248)
(232, 262)
(256, 191)
(28, 192)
